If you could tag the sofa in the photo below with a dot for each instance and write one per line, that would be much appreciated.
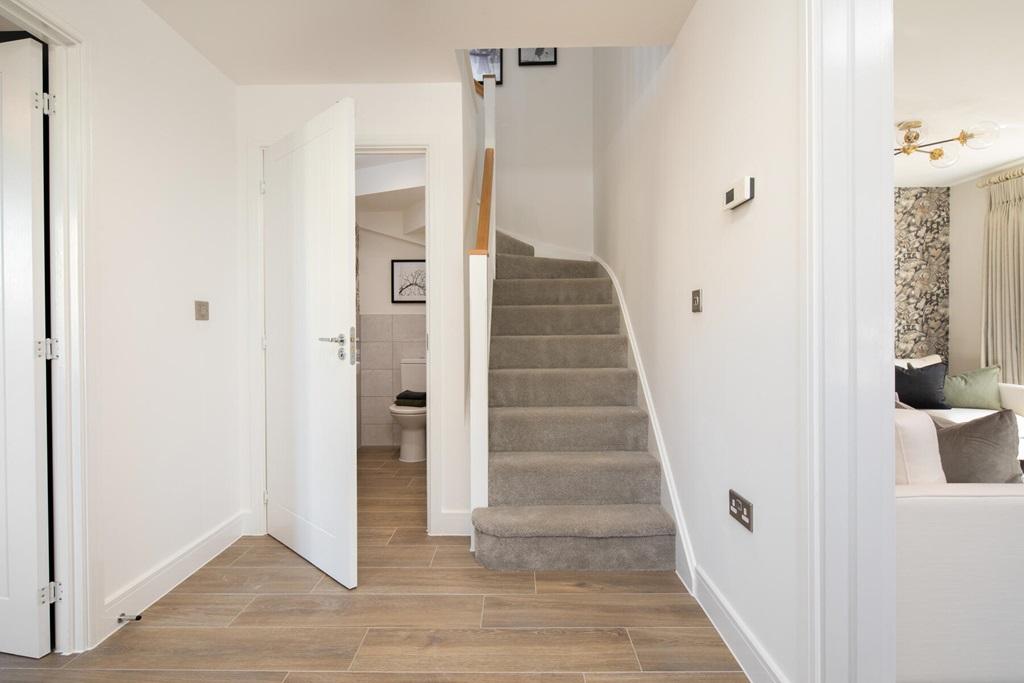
(960, 575)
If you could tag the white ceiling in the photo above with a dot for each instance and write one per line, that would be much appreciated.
(958, 62)
(395, 41)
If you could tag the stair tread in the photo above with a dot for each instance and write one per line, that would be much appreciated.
(507, 244)
(567, 337)
(564, 371)
(515, 266)
(570, 459)
(586, 521)
(569, 411)
(534, 307)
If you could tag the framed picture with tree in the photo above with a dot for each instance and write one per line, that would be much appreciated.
(408, 281)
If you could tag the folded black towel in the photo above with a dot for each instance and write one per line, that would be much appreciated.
(411, 402)
(413, 395)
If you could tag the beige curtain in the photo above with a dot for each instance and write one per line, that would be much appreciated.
(1003, 306)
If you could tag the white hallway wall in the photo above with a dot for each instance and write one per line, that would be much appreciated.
(395, 115)
(375, 254)
(163, 433)
(968, 210)
(674, 127)
(544, 155)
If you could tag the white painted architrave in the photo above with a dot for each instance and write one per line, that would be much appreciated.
(442, 287)
(849, 330)
(76, 562)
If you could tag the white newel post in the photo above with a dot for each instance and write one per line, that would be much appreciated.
(481, 278)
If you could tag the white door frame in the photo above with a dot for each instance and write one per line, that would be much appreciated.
(257, 374)
(849, 317)
(69, 154)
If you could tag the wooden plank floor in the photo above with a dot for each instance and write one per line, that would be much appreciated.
(424, 612)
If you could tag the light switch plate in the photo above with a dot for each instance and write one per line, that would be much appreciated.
(742, 510)
(697, 300)
(202, 310)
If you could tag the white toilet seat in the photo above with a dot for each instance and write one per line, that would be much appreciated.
(407, 410)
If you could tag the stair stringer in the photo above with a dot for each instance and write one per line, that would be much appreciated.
(685, 562)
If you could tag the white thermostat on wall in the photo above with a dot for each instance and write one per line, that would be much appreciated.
(740, 193)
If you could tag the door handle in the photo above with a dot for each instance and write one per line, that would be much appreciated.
(339, 340)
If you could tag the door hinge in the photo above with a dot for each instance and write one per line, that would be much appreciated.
(266, 497)
(263, 187)
(51, 593)
(48, 349)
(45, 102)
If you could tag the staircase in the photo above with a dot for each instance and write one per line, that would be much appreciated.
(571, 483)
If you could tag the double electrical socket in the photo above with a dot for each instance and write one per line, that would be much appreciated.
(742, 510)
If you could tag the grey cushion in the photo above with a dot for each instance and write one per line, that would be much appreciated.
(974, 389)
(982, 451)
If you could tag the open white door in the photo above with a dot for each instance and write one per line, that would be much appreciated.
(24, 523)
(309, 219)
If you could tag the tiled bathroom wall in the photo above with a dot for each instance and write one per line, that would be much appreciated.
(384, 341)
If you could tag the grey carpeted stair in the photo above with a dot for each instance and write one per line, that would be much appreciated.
(597, 290)
(568, 428)
(574, 478)
(572, 319)
(571, 482)
(559, 351)
(520, 267)
(507, 244)
(563, 387)
(596, 537)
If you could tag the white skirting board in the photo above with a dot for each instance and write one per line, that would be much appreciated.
(748, 650)
(138, 595)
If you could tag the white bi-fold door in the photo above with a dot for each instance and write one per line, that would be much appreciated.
(24, 523)
(310, 283)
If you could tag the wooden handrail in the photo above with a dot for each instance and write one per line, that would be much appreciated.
(479, 88)
(483, 224)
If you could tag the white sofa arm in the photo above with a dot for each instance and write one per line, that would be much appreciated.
(959, 565)
(1012, 397)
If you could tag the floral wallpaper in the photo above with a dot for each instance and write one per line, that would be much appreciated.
(922, 272)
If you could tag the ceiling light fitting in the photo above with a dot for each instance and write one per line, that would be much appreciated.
(941, 153)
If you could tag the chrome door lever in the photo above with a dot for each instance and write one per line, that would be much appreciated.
(339, 340)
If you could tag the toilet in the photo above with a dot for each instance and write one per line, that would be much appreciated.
(413, 421)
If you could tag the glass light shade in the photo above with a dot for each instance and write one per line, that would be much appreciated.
(982, 135)
(944, 157)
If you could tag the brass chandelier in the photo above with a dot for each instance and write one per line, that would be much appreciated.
(941, 153)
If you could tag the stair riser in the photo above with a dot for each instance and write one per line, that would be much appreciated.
(554, 485)
(514, 320)
(599, 432)
(510, 245)
(647, 553)
(597, 387)
(527, 267)
(552, 291)
(558, 352)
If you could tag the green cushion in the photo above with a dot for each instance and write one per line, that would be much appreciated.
(974, 389)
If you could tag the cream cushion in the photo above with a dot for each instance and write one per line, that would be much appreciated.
(918, 362)
(917, 449)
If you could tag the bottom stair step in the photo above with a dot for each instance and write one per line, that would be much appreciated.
(596, 537)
